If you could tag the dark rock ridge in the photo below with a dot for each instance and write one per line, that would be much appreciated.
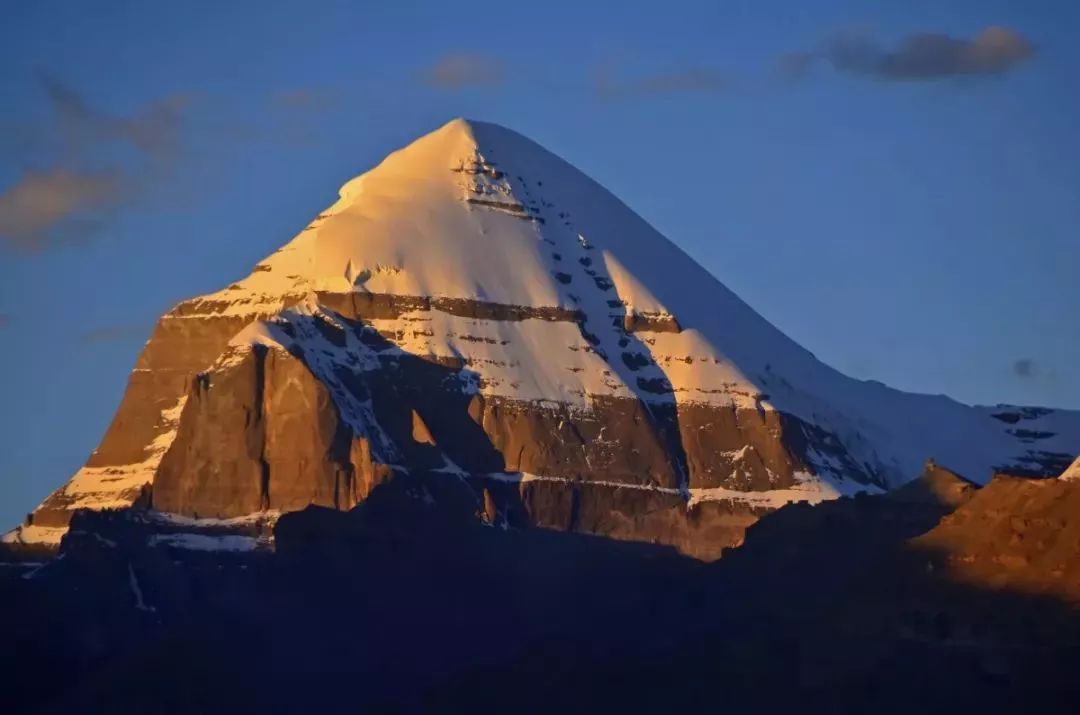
(417, 600)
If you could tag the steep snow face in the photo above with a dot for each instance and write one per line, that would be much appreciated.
(1073, 472)
(476, 212)
(471, 211)
(437, 218)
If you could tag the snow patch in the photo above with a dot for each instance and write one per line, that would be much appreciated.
(31, 534)
(808, 488)
(268, 517)
(205, 542)
(140, 603)
(117, 487)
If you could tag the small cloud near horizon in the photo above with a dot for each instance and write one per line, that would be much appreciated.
(920, 57)
(463, 70)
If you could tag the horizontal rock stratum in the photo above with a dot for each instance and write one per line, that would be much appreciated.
(475, 309)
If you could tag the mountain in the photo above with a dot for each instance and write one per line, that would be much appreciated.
(476, 312)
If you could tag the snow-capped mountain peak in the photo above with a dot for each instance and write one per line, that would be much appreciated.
(544, 335)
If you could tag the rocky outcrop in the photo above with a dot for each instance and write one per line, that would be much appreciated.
(1015, 533)
(185, 341)
(701, 530)
(262, 435)
(936, 485)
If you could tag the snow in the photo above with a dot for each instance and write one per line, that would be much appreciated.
(136, 591)
(193, 541)
(1073, 472)
(205, 542)
(32, 534)
(116, 487)
(809, 488)
(268, 517)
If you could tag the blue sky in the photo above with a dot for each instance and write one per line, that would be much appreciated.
(905, 206)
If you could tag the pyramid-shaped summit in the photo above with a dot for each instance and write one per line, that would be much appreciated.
(471, 211)
(475, 311)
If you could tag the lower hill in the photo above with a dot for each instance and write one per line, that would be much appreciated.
(941, 598)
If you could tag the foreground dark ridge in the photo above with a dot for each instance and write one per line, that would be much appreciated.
(413, 602)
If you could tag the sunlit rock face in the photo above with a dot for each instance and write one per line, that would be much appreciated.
(476, 309)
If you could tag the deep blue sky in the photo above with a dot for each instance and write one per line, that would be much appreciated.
(909, 215)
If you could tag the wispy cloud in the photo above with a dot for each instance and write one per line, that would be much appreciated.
(463, 70)
(687, 80)
(114, 333)
(154, 129)
(924, 56)
(43, 209)
(95, 163)
(5, 320)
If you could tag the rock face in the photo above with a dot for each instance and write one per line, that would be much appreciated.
(265, 436)
(1016, 534)
(936, 485)
(475, 309)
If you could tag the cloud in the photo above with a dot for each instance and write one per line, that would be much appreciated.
(114, 333)
(463, 70)
(1026, 368)
(924, 56)
(688, 80)
(96, 162)
(43, 209)
(5, 320)
(154, 130)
